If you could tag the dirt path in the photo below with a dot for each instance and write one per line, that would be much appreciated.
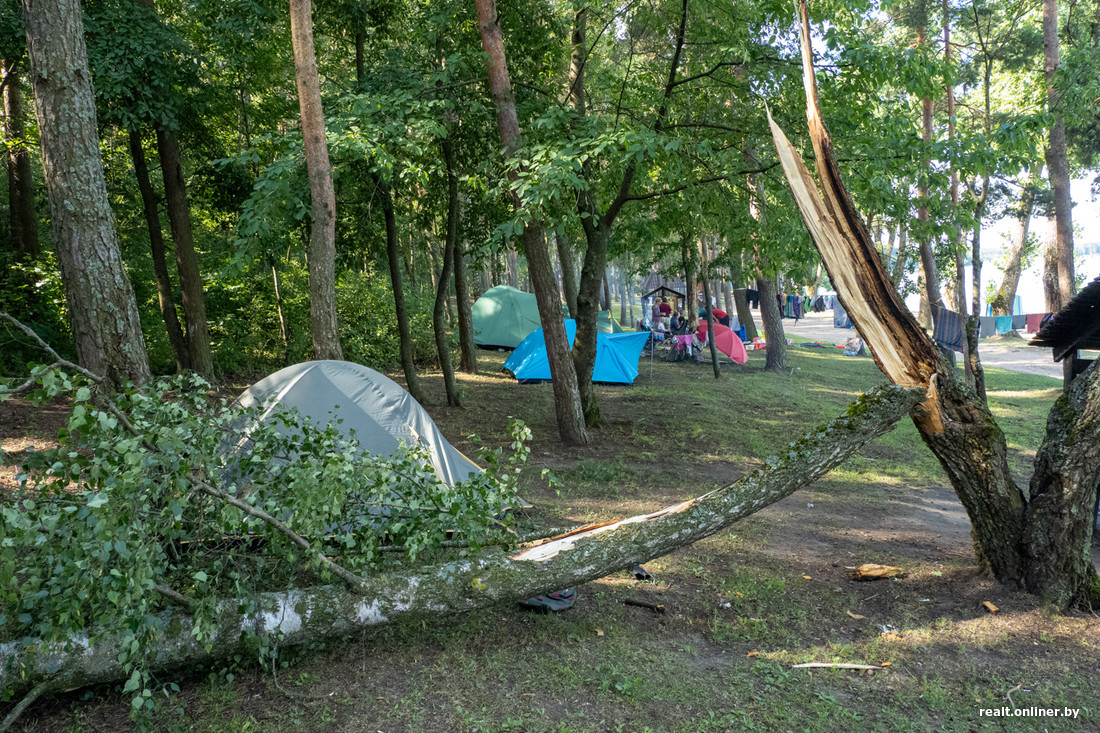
(1007, 353)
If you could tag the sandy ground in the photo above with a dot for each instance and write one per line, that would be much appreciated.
(1007, 353)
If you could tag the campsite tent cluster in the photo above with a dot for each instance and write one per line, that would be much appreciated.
(506, 318)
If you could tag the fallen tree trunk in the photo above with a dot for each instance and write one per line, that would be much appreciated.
(300, 616)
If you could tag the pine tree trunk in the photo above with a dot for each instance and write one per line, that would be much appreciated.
(691, 300)
(744, 313)
(711, 340)
(772, 320)
(393, 255)
(442, 345)
(467, 352)
(1050, 270)
(104, 316)
(620, 288)
(567, 400)
(568, 273)
(160, 261)
(23, 222)
(322, 227)
(187, 260)
(593, 273)
(1057, 157)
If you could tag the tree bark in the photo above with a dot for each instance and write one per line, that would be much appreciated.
(710, 316)
(1057, 158)
(104, 316)
(1052, 292)
(467, 353)
(393, 255)
(772, 320)
(442, 345)
(160, 262)
(927, 258)
(322, 229)
(1062, 497)
(187, 260)
(744, 313)
(302, 616)
(567, 400)
(568, 272)
(691, 300)
(956, 424)
(23, 222)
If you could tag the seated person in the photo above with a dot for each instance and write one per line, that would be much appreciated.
(674, 323)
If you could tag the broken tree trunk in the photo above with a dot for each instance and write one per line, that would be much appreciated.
(300, 616)
(954, 422)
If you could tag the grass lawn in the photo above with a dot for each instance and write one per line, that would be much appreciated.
(741, 607)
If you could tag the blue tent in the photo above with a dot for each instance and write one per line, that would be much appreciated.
(616, 356)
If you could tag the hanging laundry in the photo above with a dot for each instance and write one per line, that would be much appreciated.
(1033, 321)
(1018, 322)
(1004, 324)
(987, 326)
(948, 328)
(840, 316)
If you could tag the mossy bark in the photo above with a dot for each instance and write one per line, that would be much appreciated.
(102, 310)
(307, 615)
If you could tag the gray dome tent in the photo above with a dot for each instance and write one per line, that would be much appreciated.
(378, 409)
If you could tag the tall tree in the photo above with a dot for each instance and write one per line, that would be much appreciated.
(322, 232)
(1058, 160)
(160, 261)
(442, 345)
(393, 256)
(567, 399)
(187, 260)
(102, 310)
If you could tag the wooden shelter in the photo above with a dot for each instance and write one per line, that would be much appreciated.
(1073, 329)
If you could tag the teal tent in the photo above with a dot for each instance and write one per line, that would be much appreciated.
(616, 356)
(503, 317)
(606, 323)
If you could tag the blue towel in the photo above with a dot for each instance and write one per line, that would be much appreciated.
(948, 329)
(1004, 324)
(987, 326)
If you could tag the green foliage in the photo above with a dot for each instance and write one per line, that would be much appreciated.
(127, 504)
(368, 324)
(33, 290)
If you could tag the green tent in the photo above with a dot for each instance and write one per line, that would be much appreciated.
(606, 323)
(503, 317)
